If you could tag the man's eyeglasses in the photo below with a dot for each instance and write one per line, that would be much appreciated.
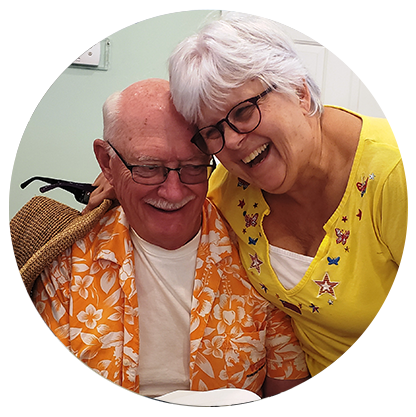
(157, 174)
(242, 118)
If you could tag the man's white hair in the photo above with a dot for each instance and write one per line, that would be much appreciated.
(111, 111)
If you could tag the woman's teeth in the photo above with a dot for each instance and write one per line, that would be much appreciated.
(254, 154)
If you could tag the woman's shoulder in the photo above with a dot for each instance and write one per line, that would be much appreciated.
(375, 129)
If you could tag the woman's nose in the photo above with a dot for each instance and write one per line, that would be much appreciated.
(232, 139)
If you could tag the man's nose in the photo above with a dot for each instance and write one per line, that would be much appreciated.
(172, 190)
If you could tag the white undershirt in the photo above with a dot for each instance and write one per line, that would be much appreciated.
(290, 267)
(165, 281)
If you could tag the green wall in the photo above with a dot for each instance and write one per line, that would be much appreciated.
(58, 139)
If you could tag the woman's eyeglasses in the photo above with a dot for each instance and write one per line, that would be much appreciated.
(242, 118)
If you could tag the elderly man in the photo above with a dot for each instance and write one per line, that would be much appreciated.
(154, 298)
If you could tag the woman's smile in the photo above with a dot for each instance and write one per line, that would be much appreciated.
(257, 156)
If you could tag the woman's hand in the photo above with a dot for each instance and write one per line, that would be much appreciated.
(104, 190)
(405, 376)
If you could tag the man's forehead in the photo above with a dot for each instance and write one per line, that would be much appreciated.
(151, 110)
(148, 93)
(137, 108)
(149, 124)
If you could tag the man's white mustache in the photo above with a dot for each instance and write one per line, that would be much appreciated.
(167, 205)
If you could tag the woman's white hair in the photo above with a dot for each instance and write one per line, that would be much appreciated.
(227, 53)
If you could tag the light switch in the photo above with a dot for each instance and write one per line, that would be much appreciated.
(90, 57)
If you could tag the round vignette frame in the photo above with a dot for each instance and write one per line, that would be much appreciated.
(115, 27)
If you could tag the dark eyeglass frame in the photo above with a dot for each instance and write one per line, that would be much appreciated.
(166, 170)
(80, 190)
(198, 138)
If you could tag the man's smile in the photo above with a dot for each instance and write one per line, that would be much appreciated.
(167, 206)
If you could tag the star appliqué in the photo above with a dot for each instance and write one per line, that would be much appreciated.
(314, 308)
(255, 262)
(326, 286)
(264, 288)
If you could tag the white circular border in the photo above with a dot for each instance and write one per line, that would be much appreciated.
(121, 24)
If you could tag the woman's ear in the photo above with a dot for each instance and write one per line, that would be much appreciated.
(304, 96)
(101, 153)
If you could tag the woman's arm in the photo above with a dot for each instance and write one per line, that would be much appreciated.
(104, 190)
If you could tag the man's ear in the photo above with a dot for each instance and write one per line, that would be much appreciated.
(103, 158)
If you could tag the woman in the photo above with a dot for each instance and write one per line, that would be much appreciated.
(316, 196)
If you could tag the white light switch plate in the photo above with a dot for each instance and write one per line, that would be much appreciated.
(90, 57)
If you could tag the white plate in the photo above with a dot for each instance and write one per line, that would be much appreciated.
(218, 397)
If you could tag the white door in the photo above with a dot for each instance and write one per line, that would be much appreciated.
(378, 39)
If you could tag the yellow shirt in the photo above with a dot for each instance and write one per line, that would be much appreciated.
(356, 263)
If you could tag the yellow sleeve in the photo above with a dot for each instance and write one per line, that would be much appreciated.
(393, 212)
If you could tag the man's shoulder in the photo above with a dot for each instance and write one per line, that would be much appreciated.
(45, 228)
(213, 219)
(108, 235)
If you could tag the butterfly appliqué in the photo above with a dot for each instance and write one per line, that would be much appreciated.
(342, 235)
(333, 261)
(251, 220)
(242, 183)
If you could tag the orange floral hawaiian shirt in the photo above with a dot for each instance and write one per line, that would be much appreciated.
(88, 298)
